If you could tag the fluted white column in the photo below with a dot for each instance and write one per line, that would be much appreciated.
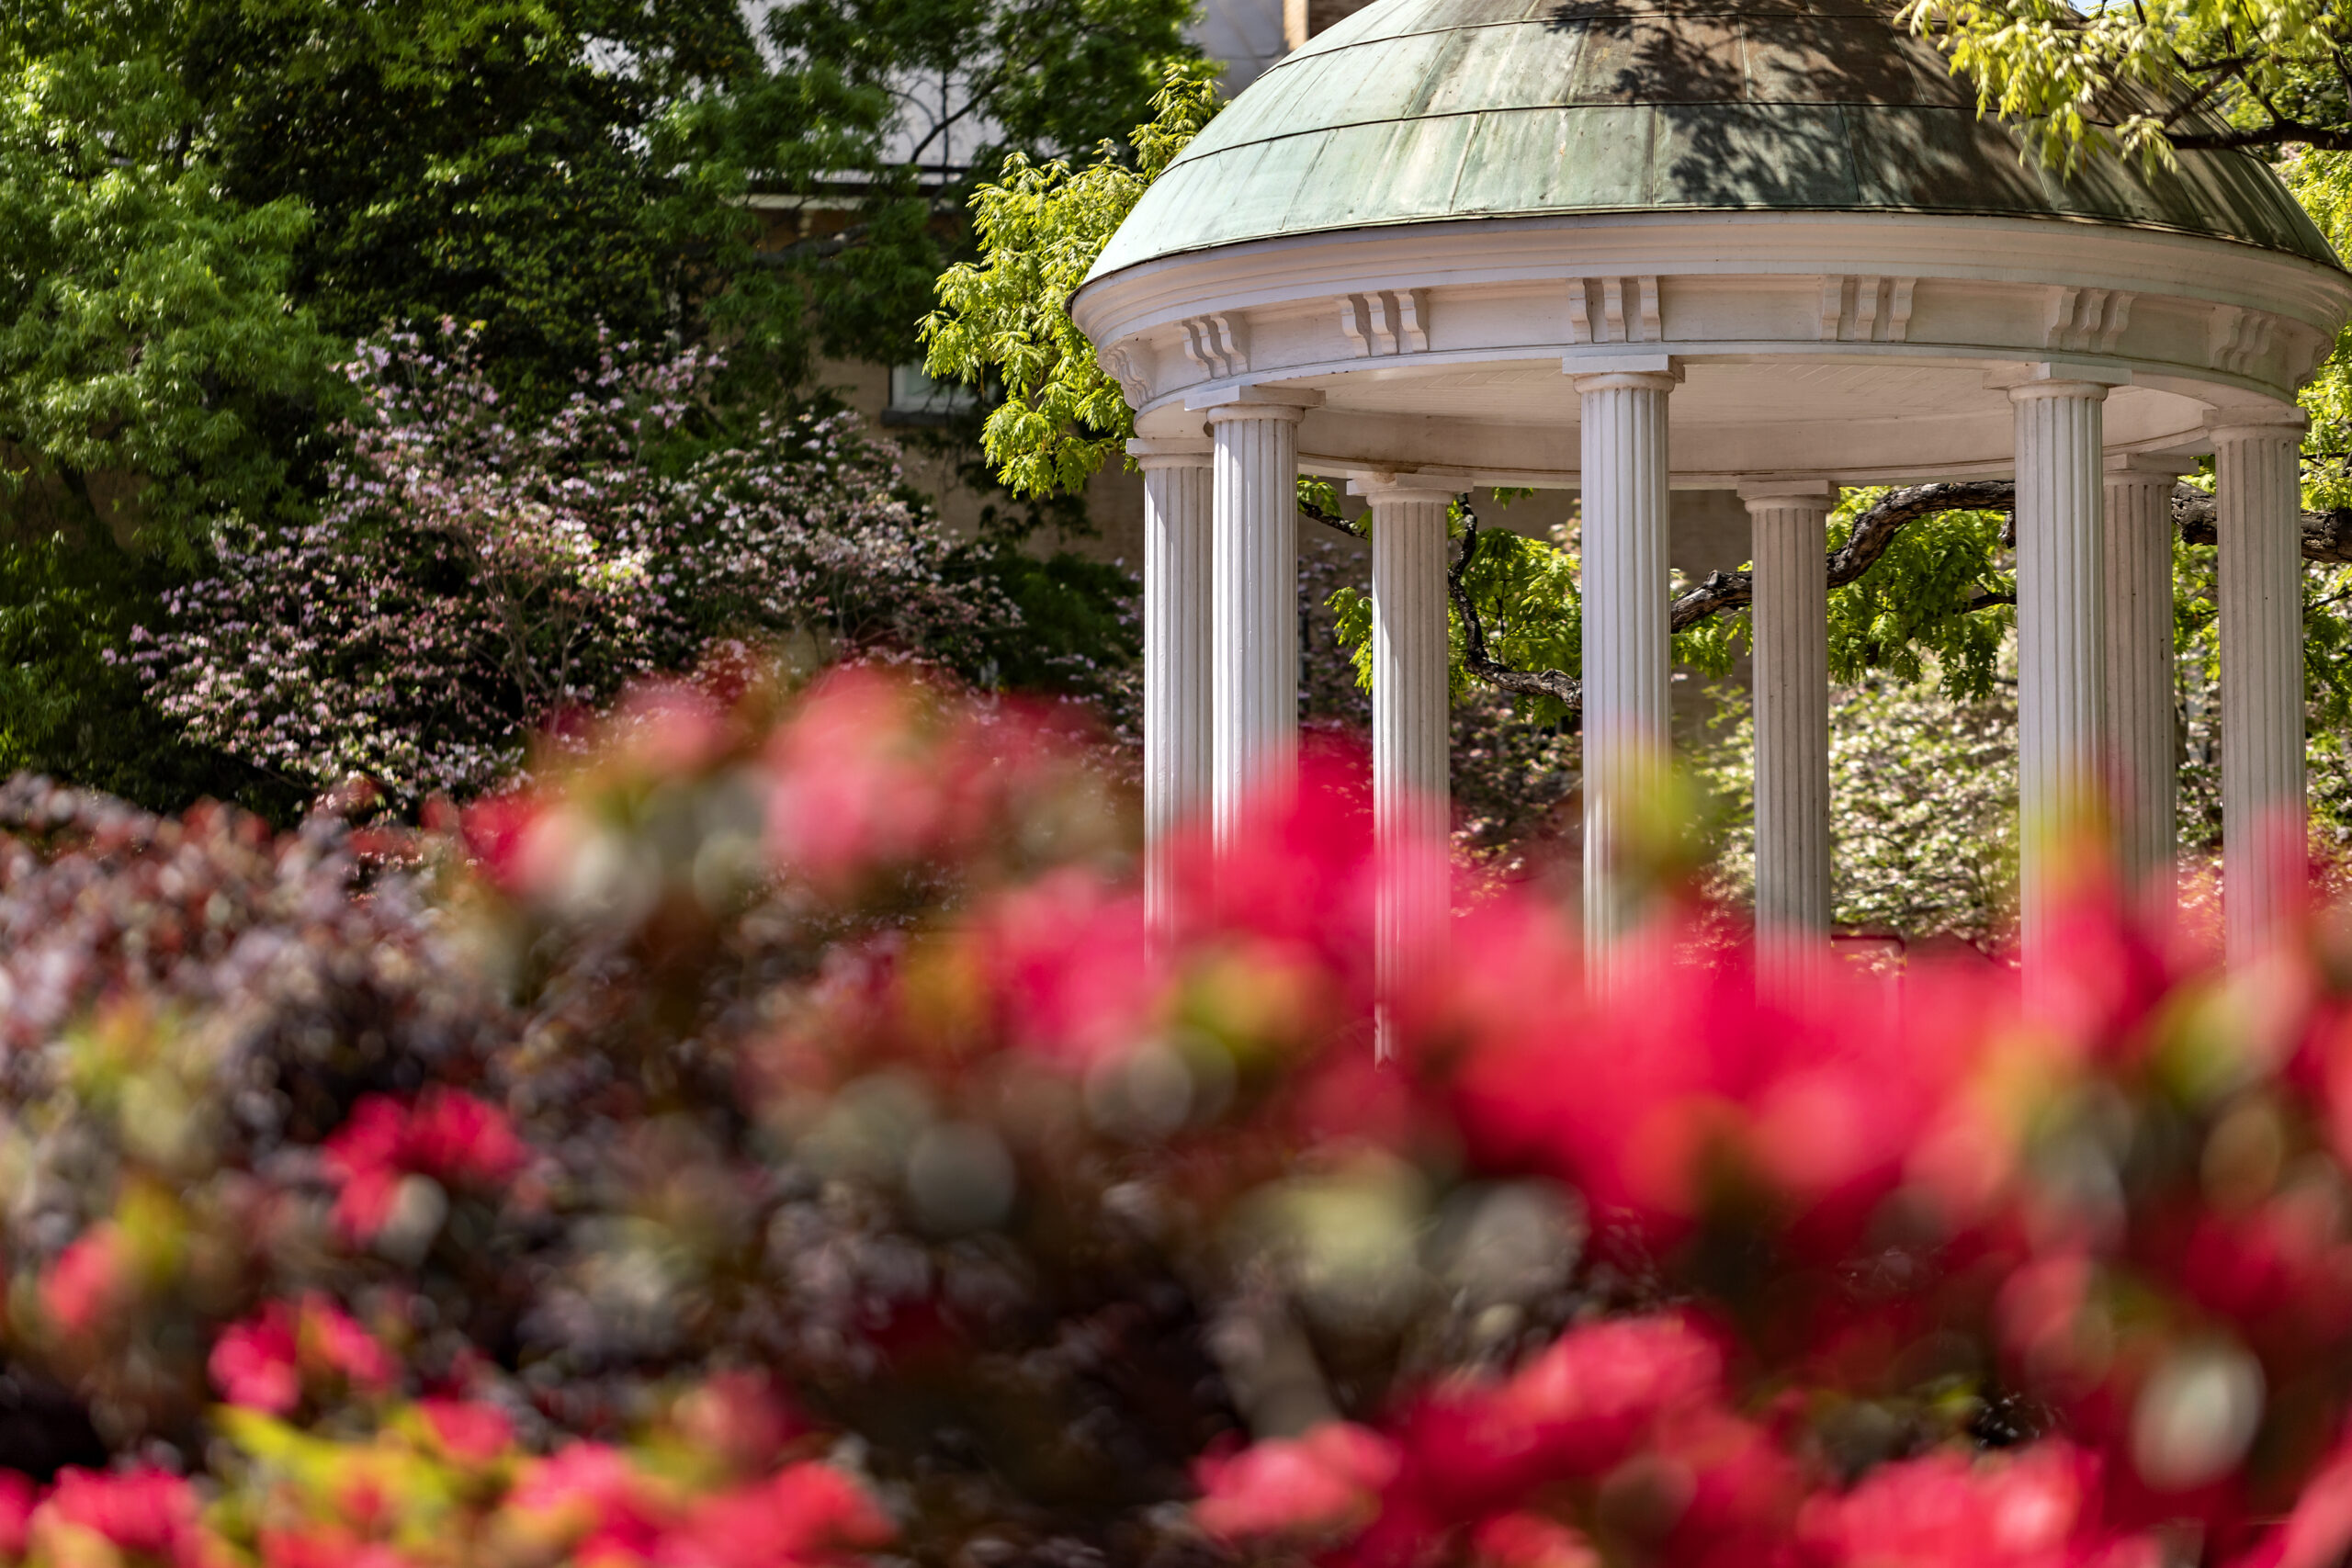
(2062, 641)
(1626, 586)
(1410, 722)
(1176, 615)
(1254, 647)
(2259, 515)
(1790, 525)
(2142, 750)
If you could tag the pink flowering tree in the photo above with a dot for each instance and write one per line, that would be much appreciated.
(474, 573)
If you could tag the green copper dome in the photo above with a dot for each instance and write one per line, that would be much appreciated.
(1417, 111)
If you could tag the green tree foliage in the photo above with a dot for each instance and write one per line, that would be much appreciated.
(204, 202)
(1005, 318)
(916, 95)
(2154, 76)
(519, 162)
(147, 347)
(1940, 599)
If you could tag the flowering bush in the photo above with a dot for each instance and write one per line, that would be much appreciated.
(470, 578)
(766, 1139)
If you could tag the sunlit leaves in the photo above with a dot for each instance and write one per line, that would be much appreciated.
(1005, 319)
(1932, 597)
(2114, 77)
(146, 337)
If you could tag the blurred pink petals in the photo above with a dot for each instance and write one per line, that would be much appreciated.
(1323, 1484)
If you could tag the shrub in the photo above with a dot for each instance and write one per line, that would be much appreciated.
(474, 575)
(766, 1139)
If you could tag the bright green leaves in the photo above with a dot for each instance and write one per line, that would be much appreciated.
(146, 341)
(1005, 319)
(1940, 593)
(2107, 77)
(2323, 183)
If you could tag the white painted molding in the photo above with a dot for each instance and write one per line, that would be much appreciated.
(2241, 337)
(1865, 310)
(2085, 321)
(1386, 321)
(1614, 310)
(1219, 343)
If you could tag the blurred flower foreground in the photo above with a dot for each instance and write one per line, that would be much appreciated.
(767, 1142)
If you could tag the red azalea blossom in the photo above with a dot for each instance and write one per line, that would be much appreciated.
(17, 1501)
(1531, 1540)
(1321, 1483)
(254, 1363)
(594, 1495)
(148, 1512)
(261, 1363)
(2037, 1509)
(87, 1281)
(451, 1137)
(467, 1430)
(806, 1513)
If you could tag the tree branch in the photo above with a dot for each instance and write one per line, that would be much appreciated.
(2327, 536)
(1555, 683)
(2326, 139)
(1874, 530)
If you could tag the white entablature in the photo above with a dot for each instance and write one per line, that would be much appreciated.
(1863, 350)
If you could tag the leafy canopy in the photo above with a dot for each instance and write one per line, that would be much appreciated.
(147, 343)
(1005, 318)
(2154, 76)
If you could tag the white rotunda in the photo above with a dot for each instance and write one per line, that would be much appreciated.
(1621, 246)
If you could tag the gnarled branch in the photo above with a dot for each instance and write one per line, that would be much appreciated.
(1555, 683)
(2327, 536)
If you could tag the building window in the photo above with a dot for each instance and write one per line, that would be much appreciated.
(916, 399)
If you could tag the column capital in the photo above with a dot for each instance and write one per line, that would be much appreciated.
(1248, 401)
(1171, 453)
(1397, 489)
(1788, 495)
(1638, 372)
(2282, 423)
(2151, 468)
(2057, 378)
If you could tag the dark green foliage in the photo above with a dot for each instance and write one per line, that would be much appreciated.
(1078, 623)
(960, 83)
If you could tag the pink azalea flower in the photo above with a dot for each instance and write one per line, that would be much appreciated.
(17, 1499)
(451, 1137)
(334, 1342)
(1531, 1540)
(1323, 1483)
(148, 1512)
(87, 1281)
(466, 1429)
(253, 1362)
(805, 1514)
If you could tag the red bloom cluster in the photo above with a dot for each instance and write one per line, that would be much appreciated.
(446, 1136)
(263, 1362)
(775, 1144)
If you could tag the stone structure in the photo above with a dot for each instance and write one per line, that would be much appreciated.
(1616, 248)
